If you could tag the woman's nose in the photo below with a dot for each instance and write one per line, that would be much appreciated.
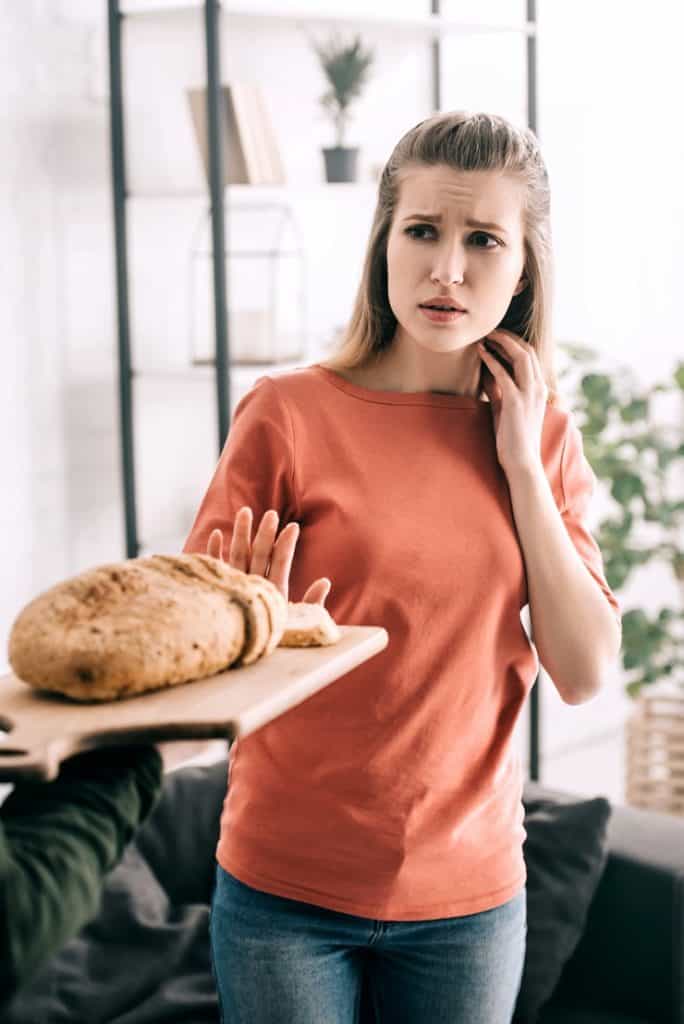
(448, 266)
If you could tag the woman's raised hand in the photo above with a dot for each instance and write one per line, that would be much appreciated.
(265, 554)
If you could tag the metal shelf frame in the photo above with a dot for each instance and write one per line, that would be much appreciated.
(432, 28)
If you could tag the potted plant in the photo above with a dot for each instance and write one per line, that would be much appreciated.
(345, 66)
(640, 460)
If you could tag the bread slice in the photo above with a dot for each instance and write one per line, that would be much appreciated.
(264, 607)
(309, 625)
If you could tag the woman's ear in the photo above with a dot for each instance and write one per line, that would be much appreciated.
(521, 285)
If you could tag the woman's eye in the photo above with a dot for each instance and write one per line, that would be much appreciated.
(418, 227)
(485, 234)
(476, 234)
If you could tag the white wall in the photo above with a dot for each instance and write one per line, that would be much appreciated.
(609, 86)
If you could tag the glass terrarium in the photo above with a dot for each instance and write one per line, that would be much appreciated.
(265, 286)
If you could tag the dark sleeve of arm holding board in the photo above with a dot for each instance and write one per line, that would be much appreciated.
(58, 841)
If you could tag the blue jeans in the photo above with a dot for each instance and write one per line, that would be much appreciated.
(282, 961)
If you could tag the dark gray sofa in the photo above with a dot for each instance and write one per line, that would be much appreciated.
(629, 965)
(145, 957)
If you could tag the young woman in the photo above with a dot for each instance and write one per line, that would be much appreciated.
(437, 484)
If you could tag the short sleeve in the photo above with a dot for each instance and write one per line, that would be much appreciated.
(256, 468)
(578, 484)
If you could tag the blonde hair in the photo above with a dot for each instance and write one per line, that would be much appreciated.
(464, 141)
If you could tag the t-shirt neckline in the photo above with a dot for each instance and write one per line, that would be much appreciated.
(400, 397)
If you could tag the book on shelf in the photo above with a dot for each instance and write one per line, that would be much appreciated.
(249, 147)
(234, 163)
(277, 170)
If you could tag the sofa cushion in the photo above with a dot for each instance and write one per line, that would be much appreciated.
(565, 854)
(630, 958)
(179, 843)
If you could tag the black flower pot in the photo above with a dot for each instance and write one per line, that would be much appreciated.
(341, 163)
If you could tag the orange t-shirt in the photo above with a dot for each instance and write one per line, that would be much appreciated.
(395, 792)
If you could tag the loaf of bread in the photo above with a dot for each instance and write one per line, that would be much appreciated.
(145, 623)
(128, 627)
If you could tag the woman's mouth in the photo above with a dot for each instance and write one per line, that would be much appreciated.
(441, 316)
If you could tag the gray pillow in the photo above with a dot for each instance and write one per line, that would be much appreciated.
(565, 853)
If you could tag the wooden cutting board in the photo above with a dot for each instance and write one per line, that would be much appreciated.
(44, 729)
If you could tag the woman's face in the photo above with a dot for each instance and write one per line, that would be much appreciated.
(481, 268)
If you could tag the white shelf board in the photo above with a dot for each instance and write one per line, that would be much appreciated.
(430, 25)
(238, 373)
(263, 193)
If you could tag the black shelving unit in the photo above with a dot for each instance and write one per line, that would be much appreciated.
(222, 339)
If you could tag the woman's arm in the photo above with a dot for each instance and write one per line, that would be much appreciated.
(58, 840)
(576, 631)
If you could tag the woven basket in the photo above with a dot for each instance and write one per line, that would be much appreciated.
(655, 750)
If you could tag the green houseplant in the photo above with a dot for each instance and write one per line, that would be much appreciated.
(345, 65)
(640, 460)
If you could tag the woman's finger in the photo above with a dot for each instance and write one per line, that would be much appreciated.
(241, 541)
(516, 353)
(262, 545)
(281, 558)
(492, 389)
(318, 591)
(215, 544)
(502, 378)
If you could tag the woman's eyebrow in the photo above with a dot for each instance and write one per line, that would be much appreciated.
(437, 217)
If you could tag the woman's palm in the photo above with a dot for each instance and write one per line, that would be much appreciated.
(265, 554)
